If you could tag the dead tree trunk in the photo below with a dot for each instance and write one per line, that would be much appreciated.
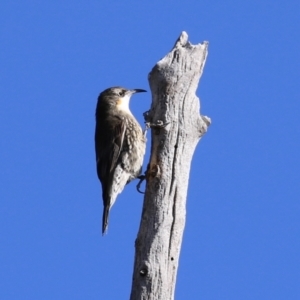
(177, 127)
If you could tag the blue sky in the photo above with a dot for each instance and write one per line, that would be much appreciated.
(242, 231)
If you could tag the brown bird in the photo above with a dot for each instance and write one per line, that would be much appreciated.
(120, 145)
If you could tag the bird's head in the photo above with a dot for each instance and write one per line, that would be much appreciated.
(117, 97)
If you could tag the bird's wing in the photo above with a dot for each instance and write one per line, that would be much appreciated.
(109, 143)
(108, 148)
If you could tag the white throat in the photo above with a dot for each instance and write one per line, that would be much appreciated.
(123, 104)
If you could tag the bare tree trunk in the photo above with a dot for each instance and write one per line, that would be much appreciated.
(175, 111)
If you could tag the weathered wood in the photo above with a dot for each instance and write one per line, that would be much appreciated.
(173, 82)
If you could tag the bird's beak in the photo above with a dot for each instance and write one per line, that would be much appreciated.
(131, 92)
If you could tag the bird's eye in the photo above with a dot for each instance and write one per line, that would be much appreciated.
(121, 93)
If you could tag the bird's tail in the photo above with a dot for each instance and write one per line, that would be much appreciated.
(105, 218)
(109, 198)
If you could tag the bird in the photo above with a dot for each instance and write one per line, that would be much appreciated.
(119, 144)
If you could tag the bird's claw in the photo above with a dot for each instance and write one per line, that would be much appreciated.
(141, 178)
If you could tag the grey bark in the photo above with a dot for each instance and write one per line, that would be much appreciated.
(177, 127)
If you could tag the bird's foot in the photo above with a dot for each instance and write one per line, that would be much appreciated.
(159, 124)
